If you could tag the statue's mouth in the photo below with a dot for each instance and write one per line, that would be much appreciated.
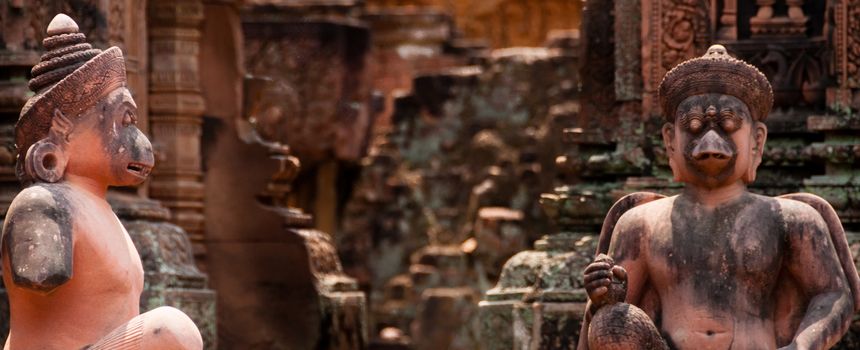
(139, 169)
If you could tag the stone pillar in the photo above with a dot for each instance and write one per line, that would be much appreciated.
(176, 107)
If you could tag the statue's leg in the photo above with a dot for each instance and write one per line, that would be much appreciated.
(163, 328)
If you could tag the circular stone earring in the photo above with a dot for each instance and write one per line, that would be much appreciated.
(45, 161)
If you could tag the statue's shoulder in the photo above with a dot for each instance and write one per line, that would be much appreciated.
(633, 208)
(802, 207)
(805, 207)
(48, 200)
(37, 236)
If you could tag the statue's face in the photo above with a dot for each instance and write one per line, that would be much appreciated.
(714, 141)
(105, 144)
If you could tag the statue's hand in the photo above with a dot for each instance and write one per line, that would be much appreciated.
(599, 279)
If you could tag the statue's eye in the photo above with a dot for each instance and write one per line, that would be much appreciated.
(729, 125)
(129, 118)
(729, 122)
(695, 125)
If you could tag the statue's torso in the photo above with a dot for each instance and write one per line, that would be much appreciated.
(103, 293)
(715, 271)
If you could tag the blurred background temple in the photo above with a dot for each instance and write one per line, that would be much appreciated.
(423, 174)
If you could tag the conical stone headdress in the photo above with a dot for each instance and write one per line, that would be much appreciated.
(70, 78)
(716, 72)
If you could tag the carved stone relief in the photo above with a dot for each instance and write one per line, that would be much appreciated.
(674, 30)
(847, 43)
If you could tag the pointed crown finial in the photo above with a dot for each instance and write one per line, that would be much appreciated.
(62, 24)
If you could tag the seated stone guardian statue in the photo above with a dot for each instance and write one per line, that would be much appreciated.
(73, 275)
(717, 267)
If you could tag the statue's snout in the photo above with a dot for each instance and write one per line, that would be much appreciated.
(712, 152)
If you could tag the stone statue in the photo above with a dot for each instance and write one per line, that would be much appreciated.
(717, 267)
(73, 275)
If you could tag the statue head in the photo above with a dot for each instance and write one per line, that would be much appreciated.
(82, 118)
(715, 106)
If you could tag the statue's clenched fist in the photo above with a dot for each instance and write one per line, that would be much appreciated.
(602, 276)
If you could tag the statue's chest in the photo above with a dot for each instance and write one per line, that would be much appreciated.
(718, 253)
(107, 249)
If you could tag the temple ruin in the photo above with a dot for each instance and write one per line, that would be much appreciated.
(424, 174)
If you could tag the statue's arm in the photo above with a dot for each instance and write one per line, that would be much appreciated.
(37, 238)
(627, 249)
(814, 264)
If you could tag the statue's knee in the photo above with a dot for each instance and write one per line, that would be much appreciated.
(168, 328)
(623, 326)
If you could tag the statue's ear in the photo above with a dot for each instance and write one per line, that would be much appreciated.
(759, 135)
(45, 161)
(669, 142)
(61, 127)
